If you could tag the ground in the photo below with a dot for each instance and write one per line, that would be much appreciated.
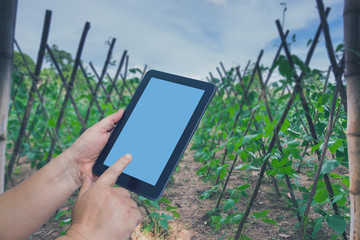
(194, 224)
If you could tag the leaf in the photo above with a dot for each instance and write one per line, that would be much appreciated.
(248, 138)
(141, 198)
(333, 147)
(276, 163)
(293, 133)
(339, 47)
(329, 165)
(166, 216)
(321, 195)
(269, 220)
(228, 204)
(243, 187)
(338, 198)
(176, 214)
(337, 223)
(285, 125)
(309, 42)
(164, 224)
(244, 155)
(316, 147)
(230, 147)
(164, 200)
(52, 122)
(215, 219)
(155, 204)
(260, 214)
(317, 226)
(237, 217)
(231, 112)
(169, 208)
(154, 215)
(346, 182)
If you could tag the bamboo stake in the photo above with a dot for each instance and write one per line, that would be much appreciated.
(330, 50)
(296, 90)
(116, 76)
(228, 77)
(307, 115)
(65, 85)
(244, 96)
(53, 134)
(69, 86)
(106, 63)
(102, 86)
(237, 69)
(7, 29)
(352, 50)
(263, 168)
(123, 79)
(288, 183)
(30, 100)
(93, 93)
(320, 164)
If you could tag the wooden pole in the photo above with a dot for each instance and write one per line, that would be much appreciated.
(352, 50)
(7, 30)
(31, 96)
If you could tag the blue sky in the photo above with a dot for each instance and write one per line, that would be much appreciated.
(187, 37)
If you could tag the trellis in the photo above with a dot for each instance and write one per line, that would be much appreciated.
(114, 95)
(337, 67)
(105, 91)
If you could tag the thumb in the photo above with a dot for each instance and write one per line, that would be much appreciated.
(110, 121)
(87, 183)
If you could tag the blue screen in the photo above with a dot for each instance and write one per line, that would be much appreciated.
(154, 128)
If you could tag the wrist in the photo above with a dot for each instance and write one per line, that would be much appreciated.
(70, 168)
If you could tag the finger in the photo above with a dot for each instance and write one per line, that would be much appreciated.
(109, 122)
(87, 183)
(113, 172)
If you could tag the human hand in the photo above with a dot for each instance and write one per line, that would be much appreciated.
(82, 154)
(103, 211)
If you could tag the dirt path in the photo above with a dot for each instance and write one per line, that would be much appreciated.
(187, 187)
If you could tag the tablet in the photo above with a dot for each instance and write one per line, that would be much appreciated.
(156, 128)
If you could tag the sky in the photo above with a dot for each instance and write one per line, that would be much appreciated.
(187, 37)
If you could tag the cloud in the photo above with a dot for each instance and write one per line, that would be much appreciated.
(218, 2)
(184, 37)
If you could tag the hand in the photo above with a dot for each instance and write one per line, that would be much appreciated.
(103, 211)
(83, 153)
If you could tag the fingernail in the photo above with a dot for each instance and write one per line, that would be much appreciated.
(128, 156)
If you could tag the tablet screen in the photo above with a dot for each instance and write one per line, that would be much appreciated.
(154, 128)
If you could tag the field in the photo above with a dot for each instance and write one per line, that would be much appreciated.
(269, 159)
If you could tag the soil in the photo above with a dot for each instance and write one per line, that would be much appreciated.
(194, 224)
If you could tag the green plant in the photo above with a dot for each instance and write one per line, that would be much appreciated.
(158, 213)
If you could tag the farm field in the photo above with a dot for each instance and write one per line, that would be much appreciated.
(269, 159)
(193, 223)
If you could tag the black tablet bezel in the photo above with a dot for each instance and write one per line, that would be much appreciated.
(133, 184)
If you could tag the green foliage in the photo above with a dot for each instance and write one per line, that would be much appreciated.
(44, 119)
(221, 139)
(158, 217)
